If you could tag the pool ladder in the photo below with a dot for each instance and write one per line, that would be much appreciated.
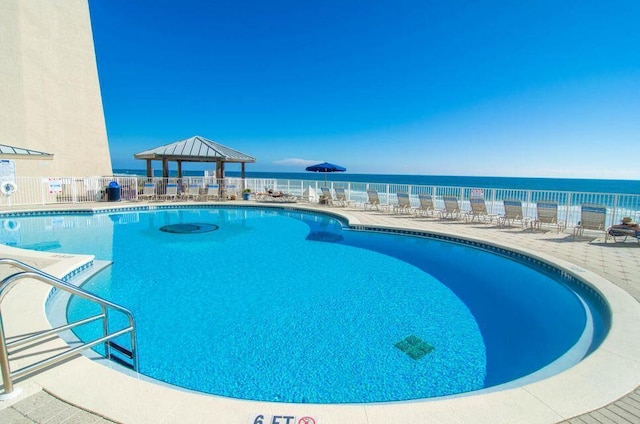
(124, 356)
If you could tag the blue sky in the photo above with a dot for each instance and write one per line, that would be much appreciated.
(491, 88)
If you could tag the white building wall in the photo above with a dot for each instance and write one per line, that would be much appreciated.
(49, 92)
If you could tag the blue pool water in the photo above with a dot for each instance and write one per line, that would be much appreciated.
(290, 306)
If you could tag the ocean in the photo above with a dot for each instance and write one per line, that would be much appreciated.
(557, 184)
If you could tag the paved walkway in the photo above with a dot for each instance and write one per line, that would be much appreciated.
(619, 263)
(43, 408)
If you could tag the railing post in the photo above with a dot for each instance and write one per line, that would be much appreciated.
(567, 207)
(614, 210)
(4, 365)
(528, 202)
(493, 201)
(105, 331)
(410, 187)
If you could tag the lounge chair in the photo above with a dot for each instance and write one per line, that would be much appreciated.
(373, 201)
(341, 197)
(325, 197)
(148, 192)
(276, 196)
(426, 205)
(547, 213)
(404, 203)
(231, 192)
(592, 217)
(625, 230)
(451, 208)
(478, 210)
(213, 192)
(512, 213)
(193, 192)
(171, 192)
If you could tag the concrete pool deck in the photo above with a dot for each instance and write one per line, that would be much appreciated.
(603, 388)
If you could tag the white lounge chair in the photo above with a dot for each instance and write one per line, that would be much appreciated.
(325, 197)
(547, 213)
(451, 208)
(592, 217)
(373, 201)
(478, 210)
(193, 192)
(341, 197)
(171, 192)
(512, 213)
(426, 205)
(148, 192)
(404, 203)
(231, 192)
(213, 192)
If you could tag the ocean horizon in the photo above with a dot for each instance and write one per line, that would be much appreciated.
(522, 183)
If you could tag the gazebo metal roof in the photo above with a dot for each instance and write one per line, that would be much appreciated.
(11, 150)
(195, 149)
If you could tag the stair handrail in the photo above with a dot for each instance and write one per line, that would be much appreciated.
(27, 271)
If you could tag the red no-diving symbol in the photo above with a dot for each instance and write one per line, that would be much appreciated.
(306, 420)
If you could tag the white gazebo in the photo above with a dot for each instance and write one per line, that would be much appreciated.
(194, 149)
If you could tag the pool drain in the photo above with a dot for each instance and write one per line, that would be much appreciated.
(189, 228)
(414, 347)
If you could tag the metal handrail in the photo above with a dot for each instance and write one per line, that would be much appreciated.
(28, 271)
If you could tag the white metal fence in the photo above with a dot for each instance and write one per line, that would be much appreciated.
(75, 190)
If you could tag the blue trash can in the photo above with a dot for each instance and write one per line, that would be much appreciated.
(113, 191)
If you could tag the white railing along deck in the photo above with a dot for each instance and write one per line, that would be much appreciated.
(77, 190)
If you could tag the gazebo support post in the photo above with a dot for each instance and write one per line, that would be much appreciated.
(219, 179)
(180, 184)
(165, 174)
(242, 175)
(149, 169)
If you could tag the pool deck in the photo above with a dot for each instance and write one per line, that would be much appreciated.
(603, 388)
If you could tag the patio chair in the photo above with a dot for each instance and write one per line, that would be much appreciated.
(404, 203)
(451, 208)
(341, 197)
(592, 217)
(373, 201)
(547, 213)
(478, 210)
(148, 192)
(171, 192)
(426, 205)
(325, 197)
(512, 213)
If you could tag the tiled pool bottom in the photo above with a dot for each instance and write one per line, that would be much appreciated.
(602, 376)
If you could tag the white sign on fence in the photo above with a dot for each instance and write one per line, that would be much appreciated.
(55, 185)
(7, 170)
(477, 192)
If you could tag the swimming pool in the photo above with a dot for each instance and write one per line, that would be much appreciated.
(290, 306)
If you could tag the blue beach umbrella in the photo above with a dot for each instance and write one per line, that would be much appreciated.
(325, 167)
